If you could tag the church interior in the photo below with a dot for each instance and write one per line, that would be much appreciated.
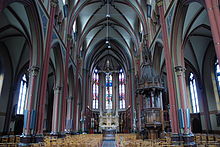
(109, 73)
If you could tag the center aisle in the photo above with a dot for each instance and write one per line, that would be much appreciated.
(108, 144)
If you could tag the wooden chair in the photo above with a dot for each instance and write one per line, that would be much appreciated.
(11, 139)
(5, 139)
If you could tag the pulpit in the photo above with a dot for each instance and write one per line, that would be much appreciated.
(152, 121)
(151, 89)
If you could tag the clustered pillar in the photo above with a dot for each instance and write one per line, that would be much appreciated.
(65, 91)
(56, 103)
(168, 61)
(69, 117)
(184, 111)
(40, 123)
(213, 14)
(30, 111)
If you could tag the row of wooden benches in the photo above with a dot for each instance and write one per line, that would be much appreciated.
(83, 140)
(130, 140)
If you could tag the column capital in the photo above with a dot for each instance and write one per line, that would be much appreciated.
(146, 36)
(180, 70)
(69, 37)
(57, 89)
(159, 3)
(33, 71)
(69, 98)
(53, 3)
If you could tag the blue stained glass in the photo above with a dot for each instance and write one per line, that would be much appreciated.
(95, 89)
(217, 75)
(122, 89)
(108, 91)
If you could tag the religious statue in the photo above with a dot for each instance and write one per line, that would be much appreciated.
(147, 72)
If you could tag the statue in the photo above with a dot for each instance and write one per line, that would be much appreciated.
(147, 72)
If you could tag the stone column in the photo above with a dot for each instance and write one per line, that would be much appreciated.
(139, 104)
(214, 26)
(180, 72)
(116, 94)
(184, 111)
(85, 92)
(168, 61)
(30, 112)
(133, 112)
(65, 88)
(55, 117)
(53, 5)
(127, 100)
(90, 91)
(69, 116)
(215, 5)
(76, 95)
(104, 93)
(101, 93)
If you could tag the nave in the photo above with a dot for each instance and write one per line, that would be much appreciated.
(101, 72)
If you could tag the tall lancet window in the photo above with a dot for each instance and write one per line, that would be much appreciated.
(217, 75)
(108, 91)
(193, 93)
(22, 95)
(95, 87)
(121, 89)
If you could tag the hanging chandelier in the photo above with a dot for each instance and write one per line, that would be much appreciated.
(107, 24)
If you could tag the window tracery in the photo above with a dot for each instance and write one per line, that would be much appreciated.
(217, 75)
(193, 93)
(121, 89)
(22, 95)
(108, 91)
(95, 87)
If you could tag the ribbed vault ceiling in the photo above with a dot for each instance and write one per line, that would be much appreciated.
(121, 29)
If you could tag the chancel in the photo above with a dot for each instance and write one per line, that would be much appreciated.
(107, 73)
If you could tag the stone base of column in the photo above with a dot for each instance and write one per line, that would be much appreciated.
(175, 137)
(54, 134)
(70, 133)
(58, 135)
(163, 134)
(62, 135)
(188, 140)
(26, 140)
(39, 138)
(183, 139)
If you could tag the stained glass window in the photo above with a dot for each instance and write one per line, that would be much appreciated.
(193, 93)
(121, 89)
(217, 75)
(108, 91)
(95, 88)
(22, 95)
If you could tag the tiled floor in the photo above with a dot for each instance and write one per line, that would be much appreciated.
(108, 144)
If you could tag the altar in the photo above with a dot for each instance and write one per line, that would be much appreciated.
(108, 121)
